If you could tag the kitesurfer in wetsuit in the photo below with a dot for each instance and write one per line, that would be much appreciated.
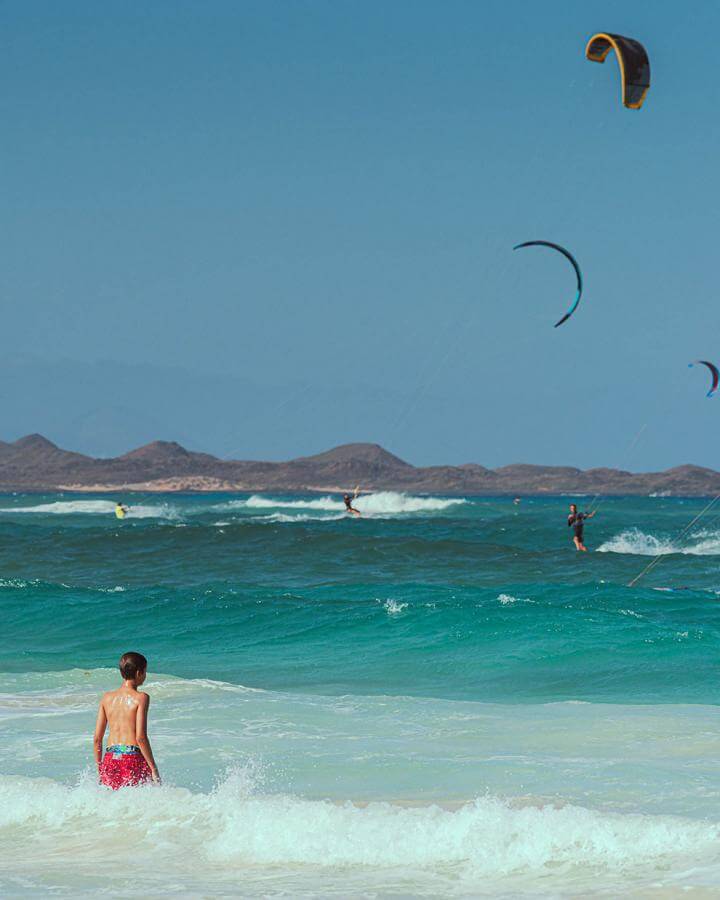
(348, 500)
(577, 521)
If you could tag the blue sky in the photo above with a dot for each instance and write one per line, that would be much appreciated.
(265, 228)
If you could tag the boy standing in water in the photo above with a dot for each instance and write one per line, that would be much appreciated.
(128, 757)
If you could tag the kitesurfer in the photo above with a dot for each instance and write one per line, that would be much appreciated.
(577, 521)
(349, 500)
(121, 510)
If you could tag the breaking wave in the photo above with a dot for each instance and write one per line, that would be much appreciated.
(636, 542)
(93, 507)
(238, 824)
(257, 501)
(382, 503)
(390, 502)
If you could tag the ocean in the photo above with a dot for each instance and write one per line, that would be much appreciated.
(441, 698)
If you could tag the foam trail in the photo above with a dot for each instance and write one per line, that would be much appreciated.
(637, 543)
(283, 517)
(382, 503)
(257, 501)
(390, 502)
(93, 507)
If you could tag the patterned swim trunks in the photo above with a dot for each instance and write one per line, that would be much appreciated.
(124, 765)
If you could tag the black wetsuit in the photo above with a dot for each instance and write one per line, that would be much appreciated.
(577, 520)
(348, 502)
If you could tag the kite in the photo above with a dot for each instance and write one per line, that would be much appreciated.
(633, 60)
(713, 371)
(573, 262)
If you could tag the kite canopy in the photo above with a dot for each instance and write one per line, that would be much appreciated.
(633, 60)
(713, 371)
(573, 262)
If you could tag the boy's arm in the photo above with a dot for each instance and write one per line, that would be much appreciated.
(100, 726)
(141, 735)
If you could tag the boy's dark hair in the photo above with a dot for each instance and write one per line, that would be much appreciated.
(131, 664)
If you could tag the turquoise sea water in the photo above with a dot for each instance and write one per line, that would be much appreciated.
(441, 697)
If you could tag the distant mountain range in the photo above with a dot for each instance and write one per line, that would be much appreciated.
(34, 463)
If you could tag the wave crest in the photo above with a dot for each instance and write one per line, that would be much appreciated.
(635, 542)
(485, 837)
(381, 503)
(92, 507)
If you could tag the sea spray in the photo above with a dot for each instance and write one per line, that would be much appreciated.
(93, 508)
(234, 823)
(637, 543)
(381, 503)
(394, 608)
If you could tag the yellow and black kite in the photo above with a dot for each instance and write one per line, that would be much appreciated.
(633, 60)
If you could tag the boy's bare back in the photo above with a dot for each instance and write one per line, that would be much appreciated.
(122, 708)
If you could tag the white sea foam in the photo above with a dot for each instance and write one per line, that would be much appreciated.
(93, 507)
(380, 504)
(636, 542)
(508, 599)
(257, 501)
(300, 517)
(390, 502)
(394, 608)
(236, 825)
(18, 583)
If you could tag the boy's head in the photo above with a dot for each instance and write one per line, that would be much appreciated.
(133, 667)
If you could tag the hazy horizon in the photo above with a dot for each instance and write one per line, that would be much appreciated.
(106, 432)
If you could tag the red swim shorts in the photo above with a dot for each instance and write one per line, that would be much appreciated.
(123, 766)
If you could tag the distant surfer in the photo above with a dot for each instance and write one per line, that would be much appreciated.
(349, 500)
(516, 501)
(576, 520)
(121, 510)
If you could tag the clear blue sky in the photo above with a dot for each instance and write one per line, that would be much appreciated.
(265, 228)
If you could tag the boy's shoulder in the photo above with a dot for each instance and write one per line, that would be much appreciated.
(140, 697)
